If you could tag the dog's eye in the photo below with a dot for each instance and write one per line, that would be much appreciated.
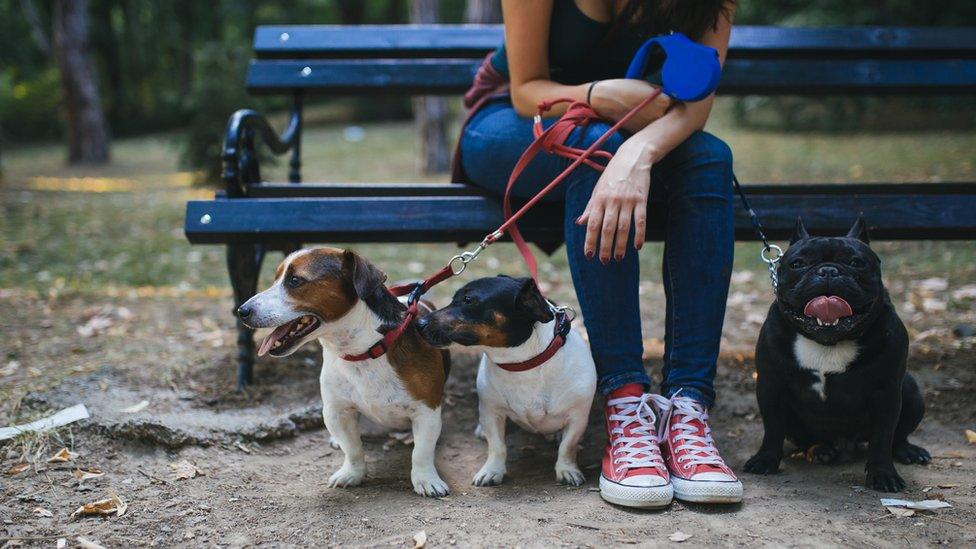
(856, 262)
(468, 300)
(294, 281)
(797, 264)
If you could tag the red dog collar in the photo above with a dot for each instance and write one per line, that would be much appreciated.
(560, 334)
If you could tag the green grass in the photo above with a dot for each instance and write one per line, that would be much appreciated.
(57, 233)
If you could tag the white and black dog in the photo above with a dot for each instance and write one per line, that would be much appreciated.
(340, 299)
(511, 323)
(831, 362)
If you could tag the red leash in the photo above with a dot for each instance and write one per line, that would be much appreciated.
(552, 140)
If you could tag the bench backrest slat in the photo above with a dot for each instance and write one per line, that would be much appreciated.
(474, 41)
(741, 76)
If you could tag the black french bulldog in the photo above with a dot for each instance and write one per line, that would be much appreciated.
(831, 362)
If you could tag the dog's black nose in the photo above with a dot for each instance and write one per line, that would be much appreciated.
(828, 271)
(422, 323)
(243, 311)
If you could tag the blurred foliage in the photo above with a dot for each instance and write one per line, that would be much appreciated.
(855, 113)
(180, 63)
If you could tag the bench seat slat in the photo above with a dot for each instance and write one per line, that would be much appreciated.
(336, 41)
(459, 218)
(365, 190)
(741, 76)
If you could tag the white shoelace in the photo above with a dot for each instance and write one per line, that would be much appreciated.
(700, 449)
(640, 449)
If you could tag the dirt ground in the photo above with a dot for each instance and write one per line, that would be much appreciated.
(263, 457)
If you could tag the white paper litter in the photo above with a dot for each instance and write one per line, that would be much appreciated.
(64, 417)
(925, 505)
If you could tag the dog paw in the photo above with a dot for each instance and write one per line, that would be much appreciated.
(822, 453)
(570, 474)
(884, 480)
(907, 453)
(333, 442)
(762, 464)
(489, 476)
(346, 476)
(429, 484)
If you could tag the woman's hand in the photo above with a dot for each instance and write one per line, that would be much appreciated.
(619, 198)
(612, 99)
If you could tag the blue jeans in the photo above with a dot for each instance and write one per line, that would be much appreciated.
(691, 199)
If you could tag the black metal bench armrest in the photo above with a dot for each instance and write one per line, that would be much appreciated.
(241, 167)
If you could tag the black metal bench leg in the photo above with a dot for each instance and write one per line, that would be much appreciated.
(244, 266)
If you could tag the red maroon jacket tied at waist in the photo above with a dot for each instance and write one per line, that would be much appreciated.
(488, 84)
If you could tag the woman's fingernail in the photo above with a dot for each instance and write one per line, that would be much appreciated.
(578, 219)
(618, 257)
(604, 260)
(638, 246)
(589, 255)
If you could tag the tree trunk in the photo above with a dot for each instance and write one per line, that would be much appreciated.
(431, 114)
(87, 130)
(483, 12)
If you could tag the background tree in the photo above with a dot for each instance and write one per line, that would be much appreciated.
(431, 113)
(483, 12)
(85, 125)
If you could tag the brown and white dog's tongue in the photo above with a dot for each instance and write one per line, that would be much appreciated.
(278, 333)
(827, 308)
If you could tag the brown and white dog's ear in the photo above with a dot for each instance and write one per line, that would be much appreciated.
(366, 278)
(530, 300)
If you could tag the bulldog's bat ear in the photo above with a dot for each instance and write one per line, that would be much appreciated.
(860, 230)
(531, 301)
(800, 232)
(366, 278)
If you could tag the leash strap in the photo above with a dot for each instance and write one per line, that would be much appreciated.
(552, 140)
(560, 333)
(770, 253)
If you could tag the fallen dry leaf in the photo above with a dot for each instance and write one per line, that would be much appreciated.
(678, 536)
(17, 468)
(420, 539)
(42, 512)
(183, 470)
(81, 475)
(62, 456)
(900, 511)
(971, 436)
(113, 505)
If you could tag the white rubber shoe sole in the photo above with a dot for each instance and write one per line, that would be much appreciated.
(644, 497)
(706, 491)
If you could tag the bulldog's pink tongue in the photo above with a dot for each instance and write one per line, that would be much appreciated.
(277, 334)
(827, 308)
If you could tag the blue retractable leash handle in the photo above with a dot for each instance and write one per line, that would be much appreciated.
(690, 72)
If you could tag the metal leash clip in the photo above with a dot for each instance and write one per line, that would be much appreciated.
(460, 262)
(564, 309)
(770, 255)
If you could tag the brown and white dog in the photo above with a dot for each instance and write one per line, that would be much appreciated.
(339, 298)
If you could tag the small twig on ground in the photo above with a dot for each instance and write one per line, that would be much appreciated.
(153, 478)
(952, 522)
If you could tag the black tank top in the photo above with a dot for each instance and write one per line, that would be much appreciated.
(582, 49)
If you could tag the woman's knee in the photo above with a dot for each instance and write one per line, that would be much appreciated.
(703, 164)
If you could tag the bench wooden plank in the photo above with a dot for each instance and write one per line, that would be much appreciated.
(409, 189)
(452, 219)
(452, 76)
(412, 41)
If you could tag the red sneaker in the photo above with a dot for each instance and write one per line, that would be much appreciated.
(698, 472)
(634, 474)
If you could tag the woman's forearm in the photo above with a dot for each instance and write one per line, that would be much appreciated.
(661, 136)
(527, 96)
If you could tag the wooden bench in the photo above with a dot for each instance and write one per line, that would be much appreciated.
(251, 216)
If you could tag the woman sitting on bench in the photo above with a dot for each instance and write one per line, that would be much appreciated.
(581, 49)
